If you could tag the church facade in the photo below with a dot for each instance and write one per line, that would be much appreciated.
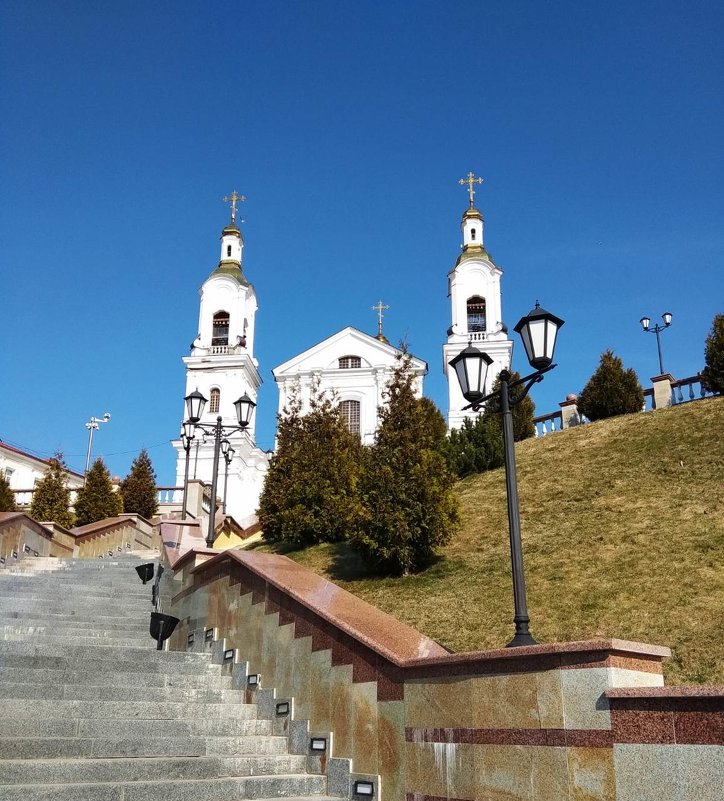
(222, 366)
(477, 317)
(354, 367)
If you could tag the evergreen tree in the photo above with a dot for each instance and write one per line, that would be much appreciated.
(476, 446)
(523, 412)
(7, 496)
(51, 499)
(713, 373)
(97, 499)
(611, 390)
(139, 487)
(310, 493)
(410, 508)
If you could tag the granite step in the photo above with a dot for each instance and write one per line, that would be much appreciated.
(93, 691)
(112, 747)
(13, 708)
(121, 769)
(209, 680)
(292, 788)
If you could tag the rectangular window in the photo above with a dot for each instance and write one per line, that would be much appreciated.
(347, 362)
(351, 413)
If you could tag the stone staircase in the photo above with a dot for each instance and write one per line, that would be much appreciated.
(90, 711)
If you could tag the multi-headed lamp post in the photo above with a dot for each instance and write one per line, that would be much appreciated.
(228, 452)
(657, 329)
(195, 403)
(538, 331)
(187, 437)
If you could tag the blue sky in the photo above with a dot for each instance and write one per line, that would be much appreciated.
(598, 128)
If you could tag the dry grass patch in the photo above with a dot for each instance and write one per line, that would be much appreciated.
(623, 536)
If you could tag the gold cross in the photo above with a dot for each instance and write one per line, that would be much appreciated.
(233, 198)
(470, 180)
(379, 308)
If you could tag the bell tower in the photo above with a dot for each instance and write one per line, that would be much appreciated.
(476, 309)
(221, 365)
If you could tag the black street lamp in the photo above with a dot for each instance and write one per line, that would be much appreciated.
(538, 330)
(657, 329)
(195, 403)
(187, 436)
(228, 456)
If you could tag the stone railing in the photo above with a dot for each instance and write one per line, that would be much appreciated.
(557, 722)
(24, 497)
(666, 391)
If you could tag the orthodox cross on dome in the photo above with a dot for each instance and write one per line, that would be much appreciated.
(234, 198)
(470, 181)
(379, 308)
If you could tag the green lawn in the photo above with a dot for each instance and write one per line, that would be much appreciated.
(623, 536)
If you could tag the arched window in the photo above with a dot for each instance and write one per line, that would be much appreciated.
(346, 362)
(220, 333)
(215, 400)
(350, 413)
(228, 251)
(476, 313)
(472, 234)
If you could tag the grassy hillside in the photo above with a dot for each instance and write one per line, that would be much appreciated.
(623, 536)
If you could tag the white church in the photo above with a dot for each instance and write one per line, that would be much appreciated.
(352, 365)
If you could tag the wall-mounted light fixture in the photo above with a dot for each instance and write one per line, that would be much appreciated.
(229, 655)
(190, 640)
(364, 789)
(282, 708)
(253, 680)
(318, 744)
(208, 635)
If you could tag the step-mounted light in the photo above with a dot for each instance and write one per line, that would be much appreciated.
(229, 655)
(253, 680)
(26, 548)
(208, 635)
(282, 708)
(363, 789)
(318, 744)
(190, 640)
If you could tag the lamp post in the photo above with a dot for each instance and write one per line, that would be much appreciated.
(195, 403)
(228, 456)
(187, 437)
(657, 329)
(538, 330)
(92, 425)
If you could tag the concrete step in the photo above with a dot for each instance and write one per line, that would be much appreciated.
(25, 633)
(69, 651)
(120, 769)
(126, 729)
(72, 622)
(160, 710)
(292, 788)
(112, 747)
(115, 663)
(92, 691)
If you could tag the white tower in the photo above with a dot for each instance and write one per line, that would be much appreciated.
(474, 292)
(222, 367)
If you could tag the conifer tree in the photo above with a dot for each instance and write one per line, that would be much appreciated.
(139, 487)
(713, 373)
(51, 499)
(410, 508)
(7, 496)
(310, 493)
(97, 499)
(611, 390)
(523, 411)
(476, 446)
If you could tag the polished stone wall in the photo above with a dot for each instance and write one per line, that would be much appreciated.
(568, 721)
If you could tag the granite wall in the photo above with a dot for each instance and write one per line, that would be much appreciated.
(587, 721)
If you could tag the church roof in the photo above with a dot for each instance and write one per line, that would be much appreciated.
(353, 335)
(478, 252)
(232, 270)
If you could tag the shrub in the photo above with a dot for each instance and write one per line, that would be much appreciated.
(611, 390)
(97, 499)
(310, 493)
(51, 499)
(139, 487)
(7, 496)
(523, 412)
(713, 373)
(475, 447)
(409, 505)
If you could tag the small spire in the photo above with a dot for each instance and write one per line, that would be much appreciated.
(379, 308)
(470, 181)
(234, 198)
